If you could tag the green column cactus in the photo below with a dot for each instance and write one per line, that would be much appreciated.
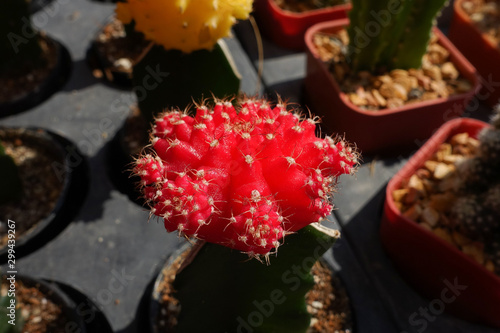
(19, 41)
(10, 182)
(221, 290)
(389, 34)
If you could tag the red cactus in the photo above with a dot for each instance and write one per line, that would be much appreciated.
(241, 177)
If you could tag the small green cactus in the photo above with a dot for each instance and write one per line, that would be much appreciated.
(10, 182)
(19, 42)
(390, 34)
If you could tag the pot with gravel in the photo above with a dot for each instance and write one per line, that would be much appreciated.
(33, 305)
(475, 32)
(114, 51)
(285, 22)
(43, 184)
(395, 84)
(250, 182)
(32, 65)
(441, 220)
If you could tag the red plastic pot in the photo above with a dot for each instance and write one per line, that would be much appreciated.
(437, 269)
(385, 131)
(287, 29)
(479, 50)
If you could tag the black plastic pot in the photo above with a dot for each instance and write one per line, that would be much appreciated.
(52, 83)
(36, 5)
(98, 60)
(70, 163)
(92, 317)
(51, 291)
(120, 161)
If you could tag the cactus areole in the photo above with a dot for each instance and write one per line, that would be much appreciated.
(242, 176)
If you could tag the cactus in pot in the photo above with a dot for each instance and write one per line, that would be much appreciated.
(187, 60)
(477, 209)
(251, 182)
(390, 34)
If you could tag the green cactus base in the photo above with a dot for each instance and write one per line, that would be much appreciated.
(170, 78)
(222, 290)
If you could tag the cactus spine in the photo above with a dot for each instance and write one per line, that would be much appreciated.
(390, 34)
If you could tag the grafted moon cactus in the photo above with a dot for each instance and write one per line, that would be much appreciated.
(241, 176)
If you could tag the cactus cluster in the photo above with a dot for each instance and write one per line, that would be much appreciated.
(387, 34)
(478, 208)
(241, 176)
(182, 24)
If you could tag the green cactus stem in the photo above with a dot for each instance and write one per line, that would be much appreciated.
(222, 290)
(10, 182)
(171, 78)
(390, 34)
(19, 41)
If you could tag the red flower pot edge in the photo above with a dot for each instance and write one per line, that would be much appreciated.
(463, 16)
(286, 28)
(427, 262)
(415, 121)
(480, 50)
(315, 12)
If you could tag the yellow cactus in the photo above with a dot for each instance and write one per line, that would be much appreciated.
(184, 24)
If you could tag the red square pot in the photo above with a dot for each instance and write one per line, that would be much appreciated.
(385, 131)
(287, 29)
(479, 50)
(426, 261)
